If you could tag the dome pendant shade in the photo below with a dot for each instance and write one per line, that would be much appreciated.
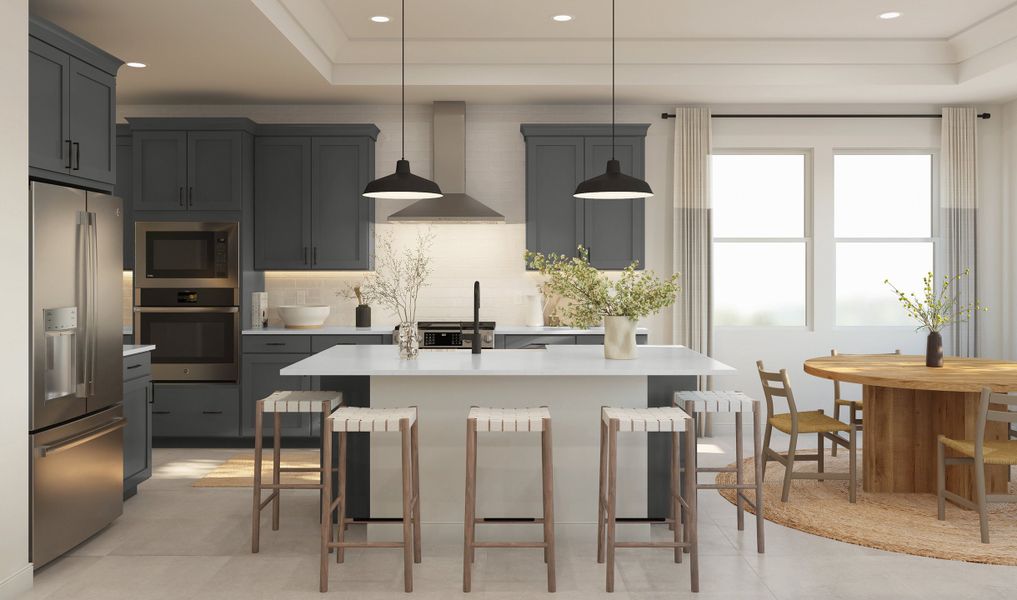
(613, 185)
(402, 185)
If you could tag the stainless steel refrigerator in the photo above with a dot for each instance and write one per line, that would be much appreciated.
(76, 421)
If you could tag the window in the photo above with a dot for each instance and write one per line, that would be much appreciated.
(760, 238)
(884, 230)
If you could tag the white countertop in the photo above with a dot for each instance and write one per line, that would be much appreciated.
(525, 330)
(132, 349)
(569, 361)
(329, 330)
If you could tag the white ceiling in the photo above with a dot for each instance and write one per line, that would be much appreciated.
(669, 51)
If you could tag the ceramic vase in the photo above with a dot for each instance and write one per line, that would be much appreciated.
(620, 338)
(409, 341)
(934, 350)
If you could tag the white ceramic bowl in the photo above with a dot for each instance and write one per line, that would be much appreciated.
(304, 317)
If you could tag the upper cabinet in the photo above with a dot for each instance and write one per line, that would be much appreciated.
(189, 164)
(559, 157)
(309, 211)
(123, 189)
(72, 108)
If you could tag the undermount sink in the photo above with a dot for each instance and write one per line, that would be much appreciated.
(303, 317)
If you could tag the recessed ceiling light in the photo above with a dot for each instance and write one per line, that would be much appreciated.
(893, 14)
(137, 65)
(380, 19)
(562, 18)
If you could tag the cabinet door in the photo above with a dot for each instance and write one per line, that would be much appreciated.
(93, 122)
(614, 228)
(160, 170)
(48, 107)
(138, 432)
(214, 170)
(123, 188)
(260, 378)
(554, 219)
(342, 220)
(282, 203)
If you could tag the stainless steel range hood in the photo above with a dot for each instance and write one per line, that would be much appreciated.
(450, 173)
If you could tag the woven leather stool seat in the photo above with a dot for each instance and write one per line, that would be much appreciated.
(509, 419)
(358, 418)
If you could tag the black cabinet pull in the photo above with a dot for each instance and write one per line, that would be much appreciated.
(314, 256)
(77, 156)
(180, 195)
(138, 366)
(305, 255)
(211, 412)
(69, 162)
(275, 343)
(190, 196)
(160, 412)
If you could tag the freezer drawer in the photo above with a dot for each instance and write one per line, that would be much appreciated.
(77, 482)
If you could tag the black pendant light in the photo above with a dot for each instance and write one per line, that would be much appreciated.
(613, 184)
(403, 185)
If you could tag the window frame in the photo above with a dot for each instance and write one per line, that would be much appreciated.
(808, 234)
(934, 223)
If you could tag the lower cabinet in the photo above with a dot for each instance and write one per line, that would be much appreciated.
(260, 377)
(138, 432)
(201, 410)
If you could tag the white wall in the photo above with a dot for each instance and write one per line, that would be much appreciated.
(15, 572)
(789, 347)
(495, 175)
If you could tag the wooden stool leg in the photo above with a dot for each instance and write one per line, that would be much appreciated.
(548, 481)
(256, 513)
(836, 415)
(821, 453)
(789, 466)
(602, 492)
(739, 465)
(760, 466)
(471, 496)
(326, 499)
(940, 481)
(853, 464)
(276, 456)
(414, 441)
(612, 486)
(340, 552)
(691, 499)
(404, 428)
(675, 504)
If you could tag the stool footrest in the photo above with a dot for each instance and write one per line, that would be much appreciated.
(652, 545)
(291, 486)
(300, 469)
(727, 486)
(365, 545)
(716, 469)
(508, 545)
(508, 520)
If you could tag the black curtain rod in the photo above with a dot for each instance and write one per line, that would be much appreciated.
(822, 116)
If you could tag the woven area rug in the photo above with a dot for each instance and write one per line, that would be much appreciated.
(903, 523)
(239, 470)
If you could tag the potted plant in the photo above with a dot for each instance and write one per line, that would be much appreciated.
(355, 291)
(396, 282)
(592, 296)
(936, 309)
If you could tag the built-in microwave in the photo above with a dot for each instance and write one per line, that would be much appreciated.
(186, 255)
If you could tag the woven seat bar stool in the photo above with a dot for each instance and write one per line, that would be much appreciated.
(854, 406)
(521, 420)
(276, 404)
(708, 402)
(350, 419)
(643, 420)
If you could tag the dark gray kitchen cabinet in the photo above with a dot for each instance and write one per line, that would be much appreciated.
(309, 212)
(123, 189)
(282, 203)
(559, 157)
(72, 108)
(188, 170)
(259, 378)
(137, 405)
(195, 410)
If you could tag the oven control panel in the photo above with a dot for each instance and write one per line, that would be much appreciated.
(222, 266)
(443, 339)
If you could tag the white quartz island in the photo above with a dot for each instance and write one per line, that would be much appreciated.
(573, 381)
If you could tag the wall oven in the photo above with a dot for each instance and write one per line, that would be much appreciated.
(192, 343)
(187, 254)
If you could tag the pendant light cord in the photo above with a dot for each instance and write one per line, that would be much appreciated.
(612, 81)
(402, 38)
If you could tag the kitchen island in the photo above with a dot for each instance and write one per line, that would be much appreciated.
(573, 381)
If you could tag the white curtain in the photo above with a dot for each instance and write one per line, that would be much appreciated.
(693, 318)
(958, 212)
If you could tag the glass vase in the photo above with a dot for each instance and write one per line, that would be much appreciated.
(409, 341)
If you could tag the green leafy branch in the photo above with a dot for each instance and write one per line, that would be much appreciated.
(937, 307)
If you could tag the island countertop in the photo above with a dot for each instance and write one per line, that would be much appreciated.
(388, 330)
(566, 361)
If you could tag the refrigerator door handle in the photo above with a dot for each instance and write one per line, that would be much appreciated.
(93, 301)
(84, 248)
(82, 438)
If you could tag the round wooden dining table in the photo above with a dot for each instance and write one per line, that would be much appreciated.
(906, 405)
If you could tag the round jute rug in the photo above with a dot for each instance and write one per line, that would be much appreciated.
(903, 523)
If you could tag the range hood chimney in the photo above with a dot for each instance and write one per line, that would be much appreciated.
(449, 155)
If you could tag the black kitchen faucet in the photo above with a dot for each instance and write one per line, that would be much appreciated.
(475, 346)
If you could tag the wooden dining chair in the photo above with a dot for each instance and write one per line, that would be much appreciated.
(978, 453)
(854, 406)
(794, 423)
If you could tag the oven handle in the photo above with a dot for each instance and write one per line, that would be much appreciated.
(83, 438)
(186, 309)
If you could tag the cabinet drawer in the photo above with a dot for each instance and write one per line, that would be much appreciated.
(196, 410)
(137, 365)
(526, 341)
(275, 344)
(324, 342)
